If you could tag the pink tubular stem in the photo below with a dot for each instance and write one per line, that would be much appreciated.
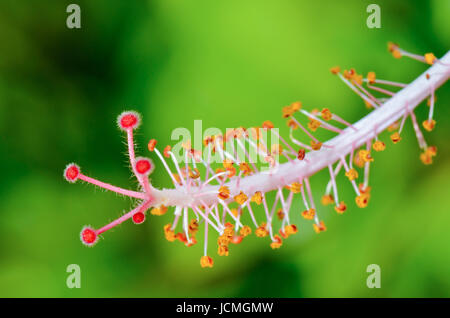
(304, 129)
(333, 182)
(141, 208)
(107, 186)
(131, 154)
(311, 200)
(361, 94)
(381, 90)
(368, 94)
(390, 83)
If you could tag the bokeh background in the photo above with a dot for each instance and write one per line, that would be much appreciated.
(229, 63)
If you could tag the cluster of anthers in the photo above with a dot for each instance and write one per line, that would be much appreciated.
(222, 198)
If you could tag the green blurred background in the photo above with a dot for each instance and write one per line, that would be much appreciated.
(228, 63)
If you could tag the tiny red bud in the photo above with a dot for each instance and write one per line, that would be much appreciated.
(128, 120)
(138, 218)
(72, 172)
(88, 236)
(144, 166)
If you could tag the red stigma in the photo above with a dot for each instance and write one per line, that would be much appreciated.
(138, 218)
(128, 120)
(72, 172)
(88, 236)
(143, 166)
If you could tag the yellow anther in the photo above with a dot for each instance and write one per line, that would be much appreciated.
(309, 214)
(397, 54)
(206, 261)
(245, 230)
(208, 140)
(161, 210)
(245, 168)
(362, 200)
(223, 240)
(290, 229)
(379, 145)
(301, 154)
(351, 174)
(168, 233)
(316, 145)
(261, 231)
(430, 58)
(426, 158)
(392, 46)
(349, 74)
(292, 124)
(341, 208)
(326, 114)
(227, 164)
(296, 106)
(432, 151)
(152, 144)
(365, 156)
(313, 124)
(287, 111)
(280, 214)
(395, 137)
(240, 198)
(277, 242)
(357, 78)
(295, 187)
(335, 70)
(192, 242)
(319, 228)
(429, 124)
(394, 49)
(327, 199)
(228, 231)
(224, 193)
(193, 226)
(267, 125)
(231, 172)
(194, 173)
(364, 189)
(222, 250)
(371, 77)
(257, 197)
(358, 162)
